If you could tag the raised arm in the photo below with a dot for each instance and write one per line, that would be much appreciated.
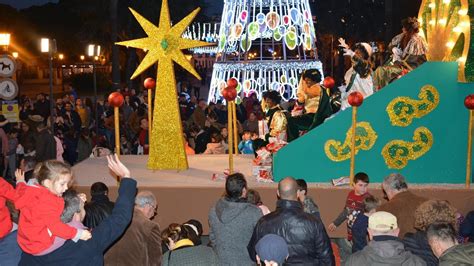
(113, 226)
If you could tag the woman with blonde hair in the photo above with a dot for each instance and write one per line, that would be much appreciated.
(182, 250)
(431, 211)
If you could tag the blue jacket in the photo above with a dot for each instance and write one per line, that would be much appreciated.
(245, 147)
(359, 232)
(91, 252)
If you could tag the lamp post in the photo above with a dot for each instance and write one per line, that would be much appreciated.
(93, 51)
(61, 58)
(49, 47)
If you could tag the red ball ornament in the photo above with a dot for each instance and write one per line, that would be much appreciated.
(355, 99)
(229, 93)
(149, 83)
(469, 102)
(232, 83)
(116, 99)
(329, 82)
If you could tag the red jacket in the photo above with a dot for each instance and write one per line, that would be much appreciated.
(40, 212)
(6, 193)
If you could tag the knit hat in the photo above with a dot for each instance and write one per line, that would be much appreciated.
(383, 222)
(272, 247)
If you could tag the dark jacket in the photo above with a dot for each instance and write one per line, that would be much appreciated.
(458, 255)
(307, 240)
(359, 232)
(91, 252)
(201, 142)
(467, 227)
(417, 243)
(230, 228)
(97, 210)
(45, 146)
(190, 255)
(384, 250)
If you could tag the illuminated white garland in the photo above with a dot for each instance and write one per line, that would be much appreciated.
(251, 34)
(258, 77)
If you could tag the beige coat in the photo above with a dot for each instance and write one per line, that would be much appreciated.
(139, 245)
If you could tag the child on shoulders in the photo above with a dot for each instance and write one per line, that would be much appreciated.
(41, 207)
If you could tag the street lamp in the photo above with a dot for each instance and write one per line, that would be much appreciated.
(49, 47)
(5, 40)
(93, 51)
(15, 55)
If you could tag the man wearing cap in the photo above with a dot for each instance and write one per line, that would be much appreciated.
(312, 106)
(308, 242)
(271, 250)
(384, 248)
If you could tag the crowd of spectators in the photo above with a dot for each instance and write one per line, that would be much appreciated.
(242, 231)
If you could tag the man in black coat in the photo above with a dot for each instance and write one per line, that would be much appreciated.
(91, 252)
(45, 144)
(304, 233)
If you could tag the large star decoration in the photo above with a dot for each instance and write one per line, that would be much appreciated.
(164, 45)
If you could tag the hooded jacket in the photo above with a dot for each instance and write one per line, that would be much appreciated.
(384, 250)
(231, 226)
(458, 255)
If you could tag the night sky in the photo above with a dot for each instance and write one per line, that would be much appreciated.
(25, 3)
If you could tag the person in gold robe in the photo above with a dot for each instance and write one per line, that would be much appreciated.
(312, 106)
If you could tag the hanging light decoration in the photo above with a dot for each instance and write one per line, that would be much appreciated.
(264, 45)
(446, 26)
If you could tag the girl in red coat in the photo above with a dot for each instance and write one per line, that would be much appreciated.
(41, 207)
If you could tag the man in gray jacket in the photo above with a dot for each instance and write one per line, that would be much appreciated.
(231, 223)
(385, 248)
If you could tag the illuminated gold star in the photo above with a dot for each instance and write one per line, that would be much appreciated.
(164, 45)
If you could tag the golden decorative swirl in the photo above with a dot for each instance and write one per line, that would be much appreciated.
(365, 140)
(397, 153)
(402, 110)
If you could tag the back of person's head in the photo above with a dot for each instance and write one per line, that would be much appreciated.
(196, 225)
(216, 137)
(287, 189)
(273, 96)
(395, 182)
(99, 188)
(29, 163)
(52, 170)
(174, 232)
(383, 223)
(441, 236)
(145, 198)
(254, 197)
(371, 203)
(302, 185)
(72, 205)
(273, 248)
(434, 211)
(235, 187)
(362, 177)
(95, 214)
(194, 231)
(313, 74)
